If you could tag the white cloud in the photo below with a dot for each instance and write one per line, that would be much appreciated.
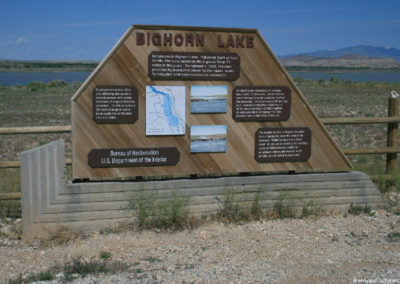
(20, 40)
(14, 42)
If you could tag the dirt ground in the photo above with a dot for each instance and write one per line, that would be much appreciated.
(329, 249)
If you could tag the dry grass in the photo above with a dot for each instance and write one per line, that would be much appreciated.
(60, 235)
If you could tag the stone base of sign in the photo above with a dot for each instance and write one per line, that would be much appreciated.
(48, 200)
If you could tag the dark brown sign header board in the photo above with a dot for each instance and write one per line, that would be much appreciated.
(262, 103)
(133, 157)
(277, 145)
(115, 104)
(194, 66)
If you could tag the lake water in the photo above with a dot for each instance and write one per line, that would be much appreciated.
(208, 146)
(24, 78)
(210, 106)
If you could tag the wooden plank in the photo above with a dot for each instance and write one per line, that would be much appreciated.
(210, 193)
(392, 135)
(10, 196)
(361, 151)
(259, 181)
(35, 129)
(9, 164)
(17, 164)
(360, 120)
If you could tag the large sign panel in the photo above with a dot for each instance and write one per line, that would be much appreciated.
(183, 101)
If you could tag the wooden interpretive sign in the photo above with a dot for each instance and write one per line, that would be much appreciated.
(177, 101)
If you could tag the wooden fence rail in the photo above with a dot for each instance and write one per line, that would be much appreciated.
(391, 150)
(35, 130)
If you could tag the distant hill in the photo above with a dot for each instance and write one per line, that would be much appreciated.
(348, 61)
(50, 65)
(360, 56)
(365, 50)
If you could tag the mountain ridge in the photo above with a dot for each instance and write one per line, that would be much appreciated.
(363, 50)
(360, 56)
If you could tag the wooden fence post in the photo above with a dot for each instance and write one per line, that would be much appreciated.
(392, 134)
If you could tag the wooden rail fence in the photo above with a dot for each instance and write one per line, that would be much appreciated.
(391, 150)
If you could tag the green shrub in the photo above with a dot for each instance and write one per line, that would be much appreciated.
(392, 202)
(171, 213)
(393, 237)
(357, 209)
(35, 86)
(81, 267)
(311, 209)
(45, 276)
(386, 184)
(143, 206)
(283, 208)
(232, 210)
(16, 231)
(105, 255)
(72, 269)
(57, 84)
(256, 210)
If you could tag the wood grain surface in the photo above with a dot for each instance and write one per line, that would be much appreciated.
(127, 65)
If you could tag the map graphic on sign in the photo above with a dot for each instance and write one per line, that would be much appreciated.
(165, 110)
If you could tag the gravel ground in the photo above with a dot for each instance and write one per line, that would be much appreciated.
(329, 249)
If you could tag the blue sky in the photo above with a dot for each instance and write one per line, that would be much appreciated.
(208, 91)
(69, 30)
(199, 130)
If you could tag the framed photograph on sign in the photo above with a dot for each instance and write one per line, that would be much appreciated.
(207, 138)
(208, 99)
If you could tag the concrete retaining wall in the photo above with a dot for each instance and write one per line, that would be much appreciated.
(48, 199)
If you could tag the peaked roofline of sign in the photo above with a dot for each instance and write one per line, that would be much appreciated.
(101, 64)
(193, 28)
(149, 27)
